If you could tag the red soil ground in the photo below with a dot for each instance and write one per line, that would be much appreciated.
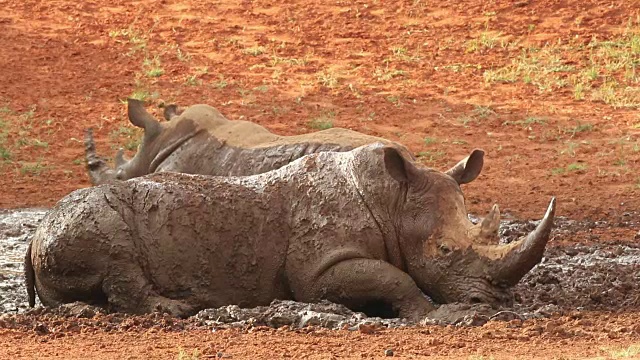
(548, 89)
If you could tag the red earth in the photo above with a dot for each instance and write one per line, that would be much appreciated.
(548, 89)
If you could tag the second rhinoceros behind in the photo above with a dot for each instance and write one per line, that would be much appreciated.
(361, 228)
(200, 140)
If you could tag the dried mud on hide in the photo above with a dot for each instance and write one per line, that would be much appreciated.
(570, 278)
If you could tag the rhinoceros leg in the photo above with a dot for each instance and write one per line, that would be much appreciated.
(128, 290)
(357, 282)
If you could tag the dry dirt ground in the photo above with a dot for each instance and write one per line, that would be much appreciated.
(549, 89)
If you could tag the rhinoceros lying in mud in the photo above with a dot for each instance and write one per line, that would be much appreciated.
(200, 140)
(361, 228)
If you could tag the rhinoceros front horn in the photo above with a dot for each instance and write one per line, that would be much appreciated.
(525, 253)
(139, 117)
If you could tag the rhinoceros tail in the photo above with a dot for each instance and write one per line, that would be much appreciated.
(30, 277)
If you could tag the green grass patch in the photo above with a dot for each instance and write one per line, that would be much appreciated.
(603, 70)
(327, 79)
(479, 112)
(194, 79)
(136, 39)
(182, 56)
(430, 141)
(33, 169)
(573, 167)
(527, 122)
(142, 94)
(386, 74)
(401, 53)
(323, 122)
(254, 50)
(277, 60)
(623, 353)
(580, 127)
(5, 154)
(431, 156)
(152, 67)
(487, 40)
(132, 137)
(261, 88)
(185, 355)
(221, 83)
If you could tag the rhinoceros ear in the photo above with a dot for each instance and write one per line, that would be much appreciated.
(468, 168)
(171, 111)
(397, 166)
(139, 117)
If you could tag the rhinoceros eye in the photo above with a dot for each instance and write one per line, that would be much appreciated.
(444, 249)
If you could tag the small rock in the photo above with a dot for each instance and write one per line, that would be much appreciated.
(388, 352)
(472, 320)
(41, 329)
(12, 232)
(367, 329)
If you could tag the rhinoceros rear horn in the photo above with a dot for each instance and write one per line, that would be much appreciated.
(121, 160)
(525, 253)
(139, 117)
(487, 230)
(468, 168)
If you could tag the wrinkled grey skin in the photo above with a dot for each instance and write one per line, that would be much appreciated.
(200, 140)
(357, 228)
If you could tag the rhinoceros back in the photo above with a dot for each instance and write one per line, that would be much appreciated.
(186, 239)
(208, 156)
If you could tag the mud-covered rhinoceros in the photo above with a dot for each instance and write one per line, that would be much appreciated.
(361, 228)
(200, 140)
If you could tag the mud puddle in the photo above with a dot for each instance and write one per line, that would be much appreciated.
(570, 278)
(16, 227)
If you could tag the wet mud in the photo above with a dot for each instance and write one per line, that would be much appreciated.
(570, 278)
(16, 227)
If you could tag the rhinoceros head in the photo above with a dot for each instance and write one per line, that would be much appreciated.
(450, 258)
(158, 141)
